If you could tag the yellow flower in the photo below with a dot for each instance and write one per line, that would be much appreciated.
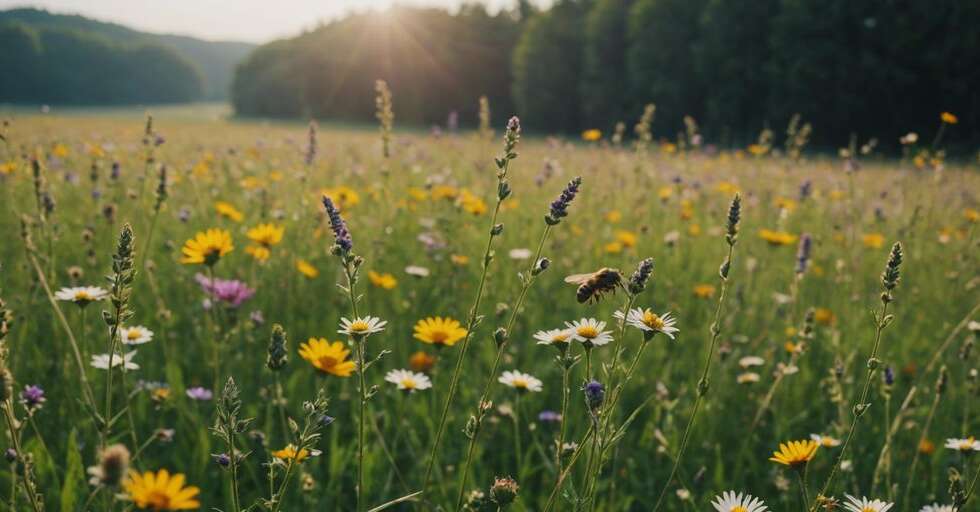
(307, 269)
(386, 280)
(7, 168)
(704, 291)
(665, 192)
(327, 357)
(290, 453)
(948, 118)
(343, 197)
(439, 331)
(971, 215)
(471, 203)
(459, 259)
(727, 188)
(591, 135)
(795, 453)
(785, 203)
(873, 240)
(613, 216)
(259, 252)
(60, 150)
(777, 237)
(824, 316)
(207, 247)
(627, 238)
(228, 210)
(444, 192)
(266, 234)
(668, 147)
(694, 230)
(757, 149)
(161, 491)
(613, 248)
(251, 182)
(421, 362)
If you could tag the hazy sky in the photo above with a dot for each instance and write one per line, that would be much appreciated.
(244, 20)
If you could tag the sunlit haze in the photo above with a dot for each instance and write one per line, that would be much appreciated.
(244, 20)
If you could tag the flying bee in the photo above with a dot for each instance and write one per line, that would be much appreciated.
(593, 285)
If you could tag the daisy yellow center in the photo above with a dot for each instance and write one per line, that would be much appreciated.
(82, 295)
(439, 336)
(158, 500)
(587, 331)
(327, 362)
(652, 320)
(133, 334)
(827, 442)
(967, 444)
(408, 383)
(359, 326)
(520, 383)
(559, 338)
(738, 508)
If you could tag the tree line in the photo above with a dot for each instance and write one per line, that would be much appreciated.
(64, 66)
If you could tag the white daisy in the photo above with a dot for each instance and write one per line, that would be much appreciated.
(590, 332)
(963, 445)
(558, 337)
(749, 361)
(408, 380)
(417, 271)
(865, 505)
(135, 335)
(825, 441)
(520, 381)
(747, 378)
(361, 327)
(729, 501)
(101, 361)
(82, 295)
(936, 507)
(519, 254)
(648, 321)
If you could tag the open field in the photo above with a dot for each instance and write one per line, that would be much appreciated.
(797, 336)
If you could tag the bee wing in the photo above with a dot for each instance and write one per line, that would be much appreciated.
(578, 278)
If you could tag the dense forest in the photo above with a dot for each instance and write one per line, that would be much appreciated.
(72, 59)
(877, 67)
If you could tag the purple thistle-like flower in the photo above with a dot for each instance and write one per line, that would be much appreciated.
(230, 291)
(889, 376)
(32, 396)
(221, 459)
(595, 394)
(199, 393)
(337, 224)
(803, 253)
(559, 207)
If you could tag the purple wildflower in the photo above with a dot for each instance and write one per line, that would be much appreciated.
(595, 394)
(803, 253)
(199, 393)
(559, 207)
(549, 416)
(337, 224)
(230, 291)
(32, 396)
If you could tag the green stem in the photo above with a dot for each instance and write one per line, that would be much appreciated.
(15, 439)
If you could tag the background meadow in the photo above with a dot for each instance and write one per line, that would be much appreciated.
(420, 220)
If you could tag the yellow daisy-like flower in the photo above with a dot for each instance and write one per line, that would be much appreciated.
(777, 237)
(471, 203)
(439, 331)
(307, 269)
(873, 240)
(613, 216)
(259, 252)
(459, 259)
(327, 357)
(290, 453)
(385, 280)
(342, 196)
(207, 247)
(613, 248)
(704, 291)
(795, 453)
(161, 491)
(591, 135)
(626, 238)
(949, 118)
(266, 234)
(228, 210)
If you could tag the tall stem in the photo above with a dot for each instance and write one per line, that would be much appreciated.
(15, 439)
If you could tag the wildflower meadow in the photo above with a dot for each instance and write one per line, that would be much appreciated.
(272, 316)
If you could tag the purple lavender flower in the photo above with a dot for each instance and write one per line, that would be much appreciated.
(32, 396)
(337, 224)
(199, 393)
(889, 376)
(549, 416)
(559, 207)
(803, 253)
(229, 291)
